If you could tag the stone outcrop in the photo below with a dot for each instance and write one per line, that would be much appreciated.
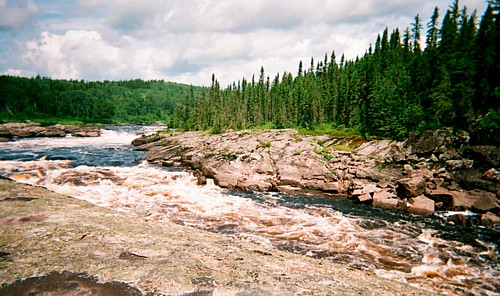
(82, 249)
(30, 130)
(435, 171)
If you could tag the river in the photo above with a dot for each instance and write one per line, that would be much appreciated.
(108, 172)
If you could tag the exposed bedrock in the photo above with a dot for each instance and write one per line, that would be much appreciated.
(438, 170)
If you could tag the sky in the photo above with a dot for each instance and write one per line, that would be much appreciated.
(186, 41)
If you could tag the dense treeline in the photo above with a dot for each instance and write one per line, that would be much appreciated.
(394, 88)
(51, 101)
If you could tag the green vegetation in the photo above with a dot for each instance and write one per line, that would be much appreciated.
(264, 145)
(49, 101)
(343, 148)
(396, 87)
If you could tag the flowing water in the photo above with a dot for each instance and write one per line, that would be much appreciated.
(106, 171)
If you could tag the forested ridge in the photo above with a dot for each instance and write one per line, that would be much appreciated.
(50, 101)
(396, 87)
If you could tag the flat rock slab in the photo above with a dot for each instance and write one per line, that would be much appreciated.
(54, 236)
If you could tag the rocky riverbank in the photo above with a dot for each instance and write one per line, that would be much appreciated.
(28, 130)
(50, 243)
(439, 170)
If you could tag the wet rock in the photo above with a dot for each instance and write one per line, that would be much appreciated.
(489, 219)
(26, 130)
(180, 260)
(68, 283)
(492, 175)
(146, 139)
(421, 205)
(459, 219)
(411, 187)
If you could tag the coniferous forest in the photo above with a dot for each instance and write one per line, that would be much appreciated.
(51, 101)
(398, 86)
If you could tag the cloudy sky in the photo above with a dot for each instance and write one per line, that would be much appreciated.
(188, 40)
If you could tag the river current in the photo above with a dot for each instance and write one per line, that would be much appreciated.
(108, 172)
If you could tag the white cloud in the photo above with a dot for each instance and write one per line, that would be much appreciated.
(186, 41)
(17, 14)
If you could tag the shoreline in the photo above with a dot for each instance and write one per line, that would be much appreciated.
(49, 232)
(438, 171)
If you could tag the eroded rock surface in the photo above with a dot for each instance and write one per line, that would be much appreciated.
(438, 165)
(76, 240)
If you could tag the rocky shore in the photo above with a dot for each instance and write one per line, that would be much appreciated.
(10, 131)
(52, 244)
(439, 170)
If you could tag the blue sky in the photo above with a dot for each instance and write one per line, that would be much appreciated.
(188, 40)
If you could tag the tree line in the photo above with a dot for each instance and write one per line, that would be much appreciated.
(396, 87)
(52, 101)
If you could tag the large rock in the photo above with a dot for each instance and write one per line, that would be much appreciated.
(461, 201)
(428, 142)
(484, 201)
(385, 200)
(490, 219)
(485, 155)
(442, 195)
(421, 205)
(27, 130)
(411, 187)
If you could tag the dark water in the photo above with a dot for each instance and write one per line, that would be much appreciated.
(107, 171)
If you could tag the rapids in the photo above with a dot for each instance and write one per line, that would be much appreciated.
(108, 172)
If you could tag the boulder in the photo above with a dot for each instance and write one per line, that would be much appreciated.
(484, 155)
(442, 195)
(421, 205)
(146, 139)
(484, 201)
(428, 142)
(411, 187)
(490, 219)
(365, 198)
(385, 200)
(52, 131)
(492, 174)
(461, 201)
(407, 169)
(459, 164)
(459, 219)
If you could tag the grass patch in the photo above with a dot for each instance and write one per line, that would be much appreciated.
(330, 130)
(343, 148)
(296, 153)
(264, 145)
